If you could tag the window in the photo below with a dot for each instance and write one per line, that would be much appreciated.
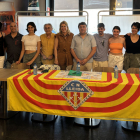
(66, 5)
(124, 5)
(93, 7)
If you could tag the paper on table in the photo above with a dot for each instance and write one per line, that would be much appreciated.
(85, 75)
(39, 71)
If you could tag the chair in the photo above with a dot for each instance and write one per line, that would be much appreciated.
(19, 66)
(103, 69)
(133, 70)
(36, 117)
(127, 124)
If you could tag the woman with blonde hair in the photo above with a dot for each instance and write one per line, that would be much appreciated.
(62, 44)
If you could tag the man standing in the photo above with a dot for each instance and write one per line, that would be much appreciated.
(100, 58)
(47, 45)
(83, 48)
(13, 45)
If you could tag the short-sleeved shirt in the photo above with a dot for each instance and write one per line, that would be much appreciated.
(14, 46)
(47, 47)
(30, 42)
(83, 47)
(132, 47)
(102, 47)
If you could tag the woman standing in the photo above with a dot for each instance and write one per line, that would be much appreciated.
(31, 47)
(62, 50)
(132, 55)
(2, 57)
(116, 44)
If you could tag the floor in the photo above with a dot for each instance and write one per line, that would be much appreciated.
(20, 127)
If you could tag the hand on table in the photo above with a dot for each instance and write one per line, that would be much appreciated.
(17, 62)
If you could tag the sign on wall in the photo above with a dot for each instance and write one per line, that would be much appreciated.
(33, 5)
(7, 15)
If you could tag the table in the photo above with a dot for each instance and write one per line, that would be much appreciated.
(4, 74)
(108, 98)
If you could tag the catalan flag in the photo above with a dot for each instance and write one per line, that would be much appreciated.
(108, 98)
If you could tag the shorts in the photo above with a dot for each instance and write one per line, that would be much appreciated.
(116, 60)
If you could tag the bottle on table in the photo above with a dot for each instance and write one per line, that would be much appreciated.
(78, 68)
(116, 72)
(35, 69)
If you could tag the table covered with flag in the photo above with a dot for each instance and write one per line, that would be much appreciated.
(107, 98)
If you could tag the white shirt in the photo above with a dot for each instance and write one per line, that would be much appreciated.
(30, 42)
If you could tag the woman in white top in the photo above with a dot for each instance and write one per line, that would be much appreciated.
(31, 47)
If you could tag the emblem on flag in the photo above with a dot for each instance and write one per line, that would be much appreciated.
(75, 92)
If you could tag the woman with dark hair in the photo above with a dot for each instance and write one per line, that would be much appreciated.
(132, 54)
(116, 44)
(2, 57)
(31, 47)
(62, 44)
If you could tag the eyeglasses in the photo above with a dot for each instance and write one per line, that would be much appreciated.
(135, 28)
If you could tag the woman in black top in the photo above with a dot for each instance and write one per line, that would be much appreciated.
(2, 57)
(132, 55)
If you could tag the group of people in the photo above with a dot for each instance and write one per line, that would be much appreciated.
(65, 49)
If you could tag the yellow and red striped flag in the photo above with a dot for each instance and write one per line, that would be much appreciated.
(108, 98)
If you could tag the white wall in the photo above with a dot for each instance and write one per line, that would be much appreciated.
(55, 21)
(124, 22)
